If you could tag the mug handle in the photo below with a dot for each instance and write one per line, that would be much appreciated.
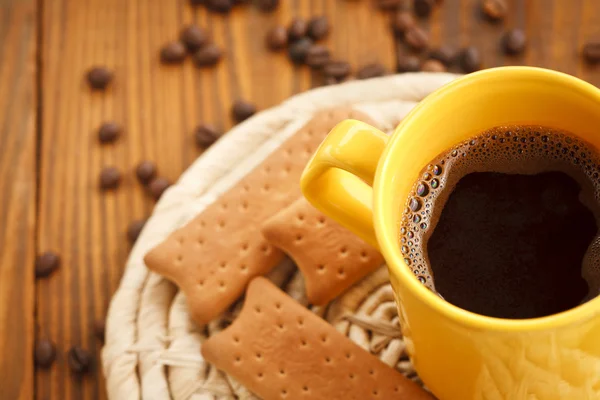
(338, 178)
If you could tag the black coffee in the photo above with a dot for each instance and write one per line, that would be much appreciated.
(506, 224)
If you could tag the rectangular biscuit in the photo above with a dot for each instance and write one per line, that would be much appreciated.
(215, 255)
(280, 350)
(330, 257)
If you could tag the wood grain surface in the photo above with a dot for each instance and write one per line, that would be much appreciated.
(49, 165)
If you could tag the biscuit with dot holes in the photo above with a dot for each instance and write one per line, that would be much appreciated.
(280, 350)
(330, 257)
(215, 255)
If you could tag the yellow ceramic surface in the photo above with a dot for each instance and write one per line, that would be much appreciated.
(362, 178)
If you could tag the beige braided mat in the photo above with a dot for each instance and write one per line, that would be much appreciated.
(152, 348)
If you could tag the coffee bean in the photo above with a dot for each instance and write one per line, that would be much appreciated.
(172, 53)
(157, 187)
(206, 134)
(134, 229)
(46, 263)
(100, 329)
(277, 38)
(145, 171)
(337, 70)
(220, 6)
(267, 5)
(470, 60)
(408, 63)
(194, 37)
(242, 110)
(110, 177)
(109, 132)
(494, 10)
(317, 56)
(208, 56)
(591, 52)
(416, 38)
(388, 4)
(79, 360)
(197, 2)
(514, 42)
(402, 22)
(444, 54)
(298, 50)
(297, 29)
(45, 353)
(318, 27)
(423, 8)
(432, 65)
(371, 71)
(99, 77)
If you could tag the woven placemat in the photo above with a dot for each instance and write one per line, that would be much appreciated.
(152, 348)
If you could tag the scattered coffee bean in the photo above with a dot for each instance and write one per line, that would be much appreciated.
(45, 353)
(172, 53)
(317, 56)
(388, 4)
(432, 65)
(157, 187)
(591, 52)
(297, 29)
(514, 42)
(194, 37)
(445, 54)
(416, 38)
(494, 10)
(220, 6)
(267, 5)
(109, 132)
(46, 263)
(208, 56)
(402, 22)
(298, 50)
(206, 134)
(134, 229)
(337, 70)
(99, 329)
(318, 27)
(110, 177)
(371, 71)
(470, 60)
(145, 171)
(99, 77)
(423, 8)
(242, 110)
(277, 38)
(79, 359)
(408, 63)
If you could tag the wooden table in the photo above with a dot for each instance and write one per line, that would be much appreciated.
(51, 157)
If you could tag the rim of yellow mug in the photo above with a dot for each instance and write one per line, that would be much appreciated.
(579, 314)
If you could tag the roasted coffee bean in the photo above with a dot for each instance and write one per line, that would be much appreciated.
(194, 37)
(100, 329)
(197, 2)
(318, 27)
(297, 29)
(208, 56)
(514, 42)
(298, 50)
(591, 52)
(172, 53)
(423, 8)
(470, 60)
(444, 54)
(402, 22)
(79, 359)
(337, 69)
(109, 132)
(371, 71)
(416, 38)
(388, 4)
(277, 38)
(317, 56)
(157, 187)
(220, 6)
(46, 263)
(494, 10)
(408, 63)
(206, 134)
(110, 178)
(145, 171)
(45, 353)
(242, 110)
(99, 77)
(134, 229)
(267, 5)
(432, 65)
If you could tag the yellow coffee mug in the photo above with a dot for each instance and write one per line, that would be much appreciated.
(362, 178)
